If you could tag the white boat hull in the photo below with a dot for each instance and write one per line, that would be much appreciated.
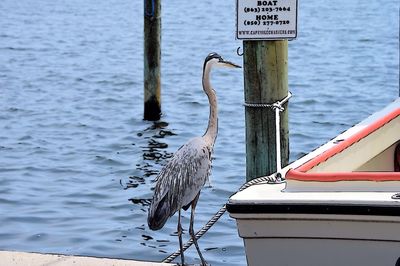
(314, 252)
(319, 239)
(340, 204)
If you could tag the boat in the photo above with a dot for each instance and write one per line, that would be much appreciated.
(339, 204)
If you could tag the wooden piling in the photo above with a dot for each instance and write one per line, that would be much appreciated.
(152, 60)
(265, 81)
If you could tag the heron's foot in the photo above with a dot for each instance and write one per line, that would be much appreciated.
(204, 262)
(182, 256)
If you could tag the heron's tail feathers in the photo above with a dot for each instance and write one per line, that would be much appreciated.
(159, 213)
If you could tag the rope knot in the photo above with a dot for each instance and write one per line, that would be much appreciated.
(273, 106)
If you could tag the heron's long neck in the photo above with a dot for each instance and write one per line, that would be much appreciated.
(212, 129)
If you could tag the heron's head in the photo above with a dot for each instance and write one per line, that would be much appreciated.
(214, 59)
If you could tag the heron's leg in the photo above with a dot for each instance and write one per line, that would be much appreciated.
(180, 237)
(191, 231)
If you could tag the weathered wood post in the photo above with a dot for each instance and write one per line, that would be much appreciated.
(265, 81)
(152, 60)
(265, 27)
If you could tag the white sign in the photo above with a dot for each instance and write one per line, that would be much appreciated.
(266, 20)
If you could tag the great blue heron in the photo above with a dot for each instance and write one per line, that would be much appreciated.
(180, 181)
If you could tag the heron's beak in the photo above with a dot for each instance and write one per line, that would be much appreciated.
(230, 64)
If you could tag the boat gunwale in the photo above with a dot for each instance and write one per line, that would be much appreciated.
(314, 208)
(300, 173)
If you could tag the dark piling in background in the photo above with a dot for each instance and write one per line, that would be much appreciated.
(152, 60)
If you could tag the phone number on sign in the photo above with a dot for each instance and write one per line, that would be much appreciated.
(265, 23)
(265, 9)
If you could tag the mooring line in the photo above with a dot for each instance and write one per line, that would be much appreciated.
(272, 179)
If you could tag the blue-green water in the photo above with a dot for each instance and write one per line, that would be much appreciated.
(76, 158)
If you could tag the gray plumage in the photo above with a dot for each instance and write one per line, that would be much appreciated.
(184, 175)
(180, 181)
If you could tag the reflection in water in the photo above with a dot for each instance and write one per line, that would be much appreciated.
(155, 156)
(143, 202)
(134, 181)
(154, 149)
(146, 237)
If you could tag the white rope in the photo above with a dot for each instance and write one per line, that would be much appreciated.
(277, 107)
(277, 104)
(278, 140)
(272, 179)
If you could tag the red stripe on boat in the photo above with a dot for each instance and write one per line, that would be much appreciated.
(301, 174)
(343, 176)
